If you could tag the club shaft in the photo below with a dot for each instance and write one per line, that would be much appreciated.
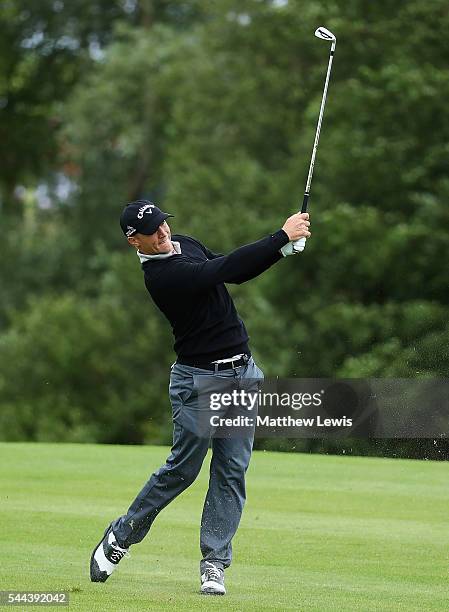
(318, 129)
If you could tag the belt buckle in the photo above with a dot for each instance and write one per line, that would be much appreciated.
(241, 358)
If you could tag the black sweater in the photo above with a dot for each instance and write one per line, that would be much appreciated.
(189, 289)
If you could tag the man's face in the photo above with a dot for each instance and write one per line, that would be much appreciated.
(153, 244)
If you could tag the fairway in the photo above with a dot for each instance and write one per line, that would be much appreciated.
(318, 532)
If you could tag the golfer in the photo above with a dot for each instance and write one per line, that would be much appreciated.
(187, 283)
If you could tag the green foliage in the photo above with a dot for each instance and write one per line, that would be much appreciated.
(115, 129)
(76, 370)
(44, 49)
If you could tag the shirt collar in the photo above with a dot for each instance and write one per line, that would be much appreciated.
(144, 257)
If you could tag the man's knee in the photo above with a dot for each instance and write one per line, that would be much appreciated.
(230, 469)
(187, 473)
(184, 469)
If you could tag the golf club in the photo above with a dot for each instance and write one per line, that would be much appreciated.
(325, 34)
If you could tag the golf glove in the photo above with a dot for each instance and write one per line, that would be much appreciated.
(287, 250)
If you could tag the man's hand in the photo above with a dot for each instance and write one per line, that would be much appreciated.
(297, 226)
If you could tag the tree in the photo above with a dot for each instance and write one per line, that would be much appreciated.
(45, 47)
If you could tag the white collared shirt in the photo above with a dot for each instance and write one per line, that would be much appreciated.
(176, 251)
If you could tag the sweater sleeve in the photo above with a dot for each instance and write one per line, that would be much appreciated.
(239, 266)
(267, 263)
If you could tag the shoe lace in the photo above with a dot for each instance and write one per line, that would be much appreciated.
(213, 572)
(118, 553)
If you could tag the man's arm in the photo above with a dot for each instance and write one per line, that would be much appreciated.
(263, 265)
(240, 279)
(289, 227)
(240, 265)
(244, 263)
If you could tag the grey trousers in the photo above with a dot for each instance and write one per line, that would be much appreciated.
(230, 459)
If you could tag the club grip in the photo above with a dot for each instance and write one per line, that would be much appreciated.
(304, 203)
(299, 245)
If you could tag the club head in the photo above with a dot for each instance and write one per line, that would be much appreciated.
(324, 33)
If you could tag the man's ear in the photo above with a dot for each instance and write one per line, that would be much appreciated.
(133, 242)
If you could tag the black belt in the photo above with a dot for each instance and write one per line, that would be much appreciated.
(217, 367)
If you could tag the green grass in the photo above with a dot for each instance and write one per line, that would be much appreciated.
(318, 532)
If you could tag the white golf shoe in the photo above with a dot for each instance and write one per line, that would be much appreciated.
(212, 580)
(105, 557)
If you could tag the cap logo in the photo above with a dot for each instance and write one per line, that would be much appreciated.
(145, 210)
(130, 230)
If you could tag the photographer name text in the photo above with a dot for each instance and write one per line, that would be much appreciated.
(281, 421)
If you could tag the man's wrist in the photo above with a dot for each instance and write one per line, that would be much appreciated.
(280, 238)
